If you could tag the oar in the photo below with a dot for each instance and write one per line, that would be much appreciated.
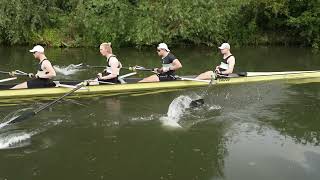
(4, 72)
(138, 68)
(15, 72)
(274, 73)
(33, 113)
(200, 101)
(131, 68)
(81, 65)
(191, 79)
(8, 79)
(77, 87)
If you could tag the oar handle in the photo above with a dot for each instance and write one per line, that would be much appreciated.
(16, 73)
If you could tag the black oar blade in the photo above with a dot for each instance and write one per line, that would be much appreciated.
(196, 103)
(22, 117)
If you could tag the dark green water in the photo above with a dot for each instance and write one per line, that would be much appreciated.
(268, 130)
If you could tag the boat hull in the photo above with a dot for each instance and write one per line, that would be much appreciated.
(134, 87)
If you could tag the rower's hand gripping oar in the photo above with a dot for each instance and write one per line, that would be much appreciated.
(14, 75)
(130, 68)
(138, 68)
(17, 73)
(32, 113)
(200, 101)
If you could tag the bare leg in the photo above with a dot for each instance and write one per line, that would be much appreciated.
(94, 82)
(153, 78)
(23, 85)
(205, 75)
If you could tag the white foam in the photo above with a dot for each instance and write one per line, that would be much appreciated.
(166, 121)
(13, 140)
(4, 124)
(67, 70)
(175, 111)
(13, 117)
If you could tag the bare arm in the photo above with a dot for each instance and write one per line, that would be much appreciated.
(114, 63)
(232, 62)
(175, 65)
(50, 72)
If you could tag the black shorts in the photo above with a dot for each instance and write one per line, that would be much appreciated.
(166, 77)
(40, 83)
(114, 80)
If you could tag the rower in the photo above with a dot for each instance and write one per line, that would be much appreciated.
(169, 65)
(112, 71)
(225, 68)
(45, 74)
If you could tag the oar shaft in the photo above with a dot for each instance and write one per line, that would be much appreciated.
(8, 79)
(4, 72)
(192, 79)
(55, 101)
(133, 68)
(206, 91)
(16, 72)
(96, 66)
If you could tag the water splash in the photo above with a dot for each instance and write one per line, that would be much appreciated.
(68, 70)
(176, 110)
(12, 116)
(5, 123)
(14, 140)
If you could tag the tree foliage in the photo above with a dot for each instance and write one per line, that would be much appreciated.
(145, 22)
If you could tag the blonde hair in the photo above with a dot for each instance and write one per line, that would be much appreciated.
(107, 46)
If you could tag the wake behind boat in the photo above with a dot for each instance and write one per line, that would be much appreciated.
(130, 85)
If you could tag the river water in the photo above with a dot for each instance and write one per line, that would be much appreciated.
(265, 130)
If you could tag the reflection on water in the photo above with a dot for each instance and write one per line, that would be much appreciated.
(298, 114)
(258, 152)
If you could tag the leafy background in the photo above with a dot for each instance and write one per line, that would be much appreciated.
(139, 23)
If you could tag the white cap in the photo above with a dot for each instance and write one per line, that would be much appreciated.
(37, 48)
(225, 46)
(163, 46)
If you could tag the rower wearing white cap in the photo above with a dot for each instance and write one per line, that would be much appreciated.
(45, 74)
(169, 65)
(226, 66)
